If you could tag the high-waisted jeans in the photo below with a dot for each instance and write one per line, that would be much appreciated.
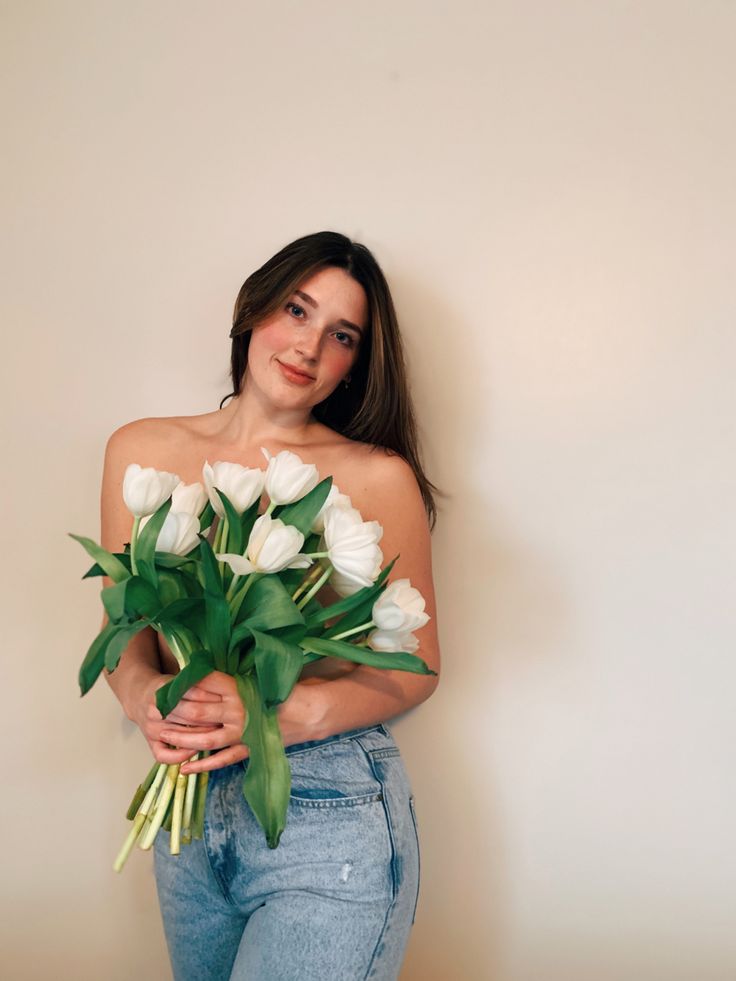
(335, 900)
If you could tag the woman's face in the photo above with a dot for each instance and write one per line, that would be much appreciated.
(299, 354)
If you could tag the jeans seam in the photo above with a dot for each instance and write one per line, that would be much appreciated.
(412, 811)
(387, 814)
(379, 942)
(336, 801)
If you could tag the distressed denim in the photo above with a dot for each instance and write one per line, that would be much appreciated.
(335, 900)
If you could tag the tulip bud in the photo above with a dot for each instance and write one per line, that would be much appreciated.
(272, 547)
(334, 499)
(399, 607)
(240, 485)
(189, 498)
(179, 533)
(146, 489)
(389, 641)
(288, 478)
(352, 545)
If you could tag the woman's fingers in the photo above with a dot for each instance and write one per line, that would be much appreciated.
(233, 754)
(165, 754)
(215, 683)
(199, 694)
(199, 738)
(191, 713)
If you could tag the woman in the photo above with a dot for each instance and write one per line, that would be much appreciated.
(317, 368)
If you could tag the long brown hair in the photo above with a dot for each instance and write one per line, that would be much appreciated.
(377, 407)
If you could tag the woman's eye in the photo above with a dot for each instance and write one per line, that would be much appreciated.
(345, 338)
(295, 309)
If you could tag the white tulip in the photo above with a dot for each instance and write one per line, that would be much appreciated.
(342, 585)
(334, 499)
(400, 608)
(288, 478)
(352, 546)
(272, 547)
(389, 641)
(189, 498)
(240, 485)
(146, 489)
(179, 533)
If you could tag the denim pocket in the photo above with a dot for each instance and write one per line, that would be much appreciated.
(333, 775)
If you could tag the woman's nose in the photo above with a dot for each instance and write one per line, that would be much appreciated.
(307, 344)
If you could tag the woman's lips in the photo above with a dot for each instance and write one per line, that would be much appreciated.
(294, 375)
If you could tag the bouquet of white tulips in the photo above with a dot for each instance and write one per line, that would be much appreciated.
(245, 605)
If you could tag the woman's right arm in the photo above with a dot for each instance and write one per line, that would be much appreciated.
(138, 675)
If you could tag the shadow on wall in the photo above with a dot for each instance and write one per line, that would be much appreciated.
(501, 611)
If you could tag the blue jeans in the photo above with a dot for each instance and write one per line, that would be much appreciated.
(336, 899)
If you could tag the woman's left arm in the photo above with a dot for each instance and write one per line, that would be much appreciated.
(367, 695)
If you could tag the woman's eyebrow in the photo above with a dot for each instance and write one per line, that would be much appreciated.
(312, 302)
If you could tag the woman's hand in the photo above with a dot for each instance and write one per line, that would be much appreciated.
(213, 707)
(195, 708)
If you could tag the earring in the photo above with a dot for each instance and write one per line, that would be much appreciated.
(346, 381)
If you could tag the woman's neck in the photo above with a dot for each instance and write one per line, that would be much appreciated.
(244, 422)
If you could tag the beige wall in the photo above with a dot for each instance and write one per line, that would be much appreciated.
(550, 187)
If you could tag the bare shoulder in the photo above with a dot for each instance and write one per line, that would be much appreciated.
(383, 487)
(150, 442)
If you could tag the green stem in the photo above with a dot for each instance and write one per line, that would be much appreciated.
(218, 537)
(181, 786)
(186, 823)
(176, 646)
(222, 544)
(198, 813)
(233, 586)
(140, 794)
(159, 811)
(237, 601)
(314, 573)
(271, 506)
(356, 630)
(140, 819)
(315, 589)
(133, 543)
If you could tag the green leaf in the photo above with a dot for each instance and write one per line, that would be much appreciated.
(110, 563)
(267, 780)
(398, 660)
(182, 637)
(209, 567)
(302, 513)
(188, 611)
(234, 528)
(217, 627)
(120, 641)
(278, 666)
(170, 560)
(206, 517)
(132, 598)
(97, 570)
(247, 520)
(238, 635)
(147, 571)
(145, 546)
(365, 596)
(200, 665)
(268, 604)
(94, 660)
(170, 586)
